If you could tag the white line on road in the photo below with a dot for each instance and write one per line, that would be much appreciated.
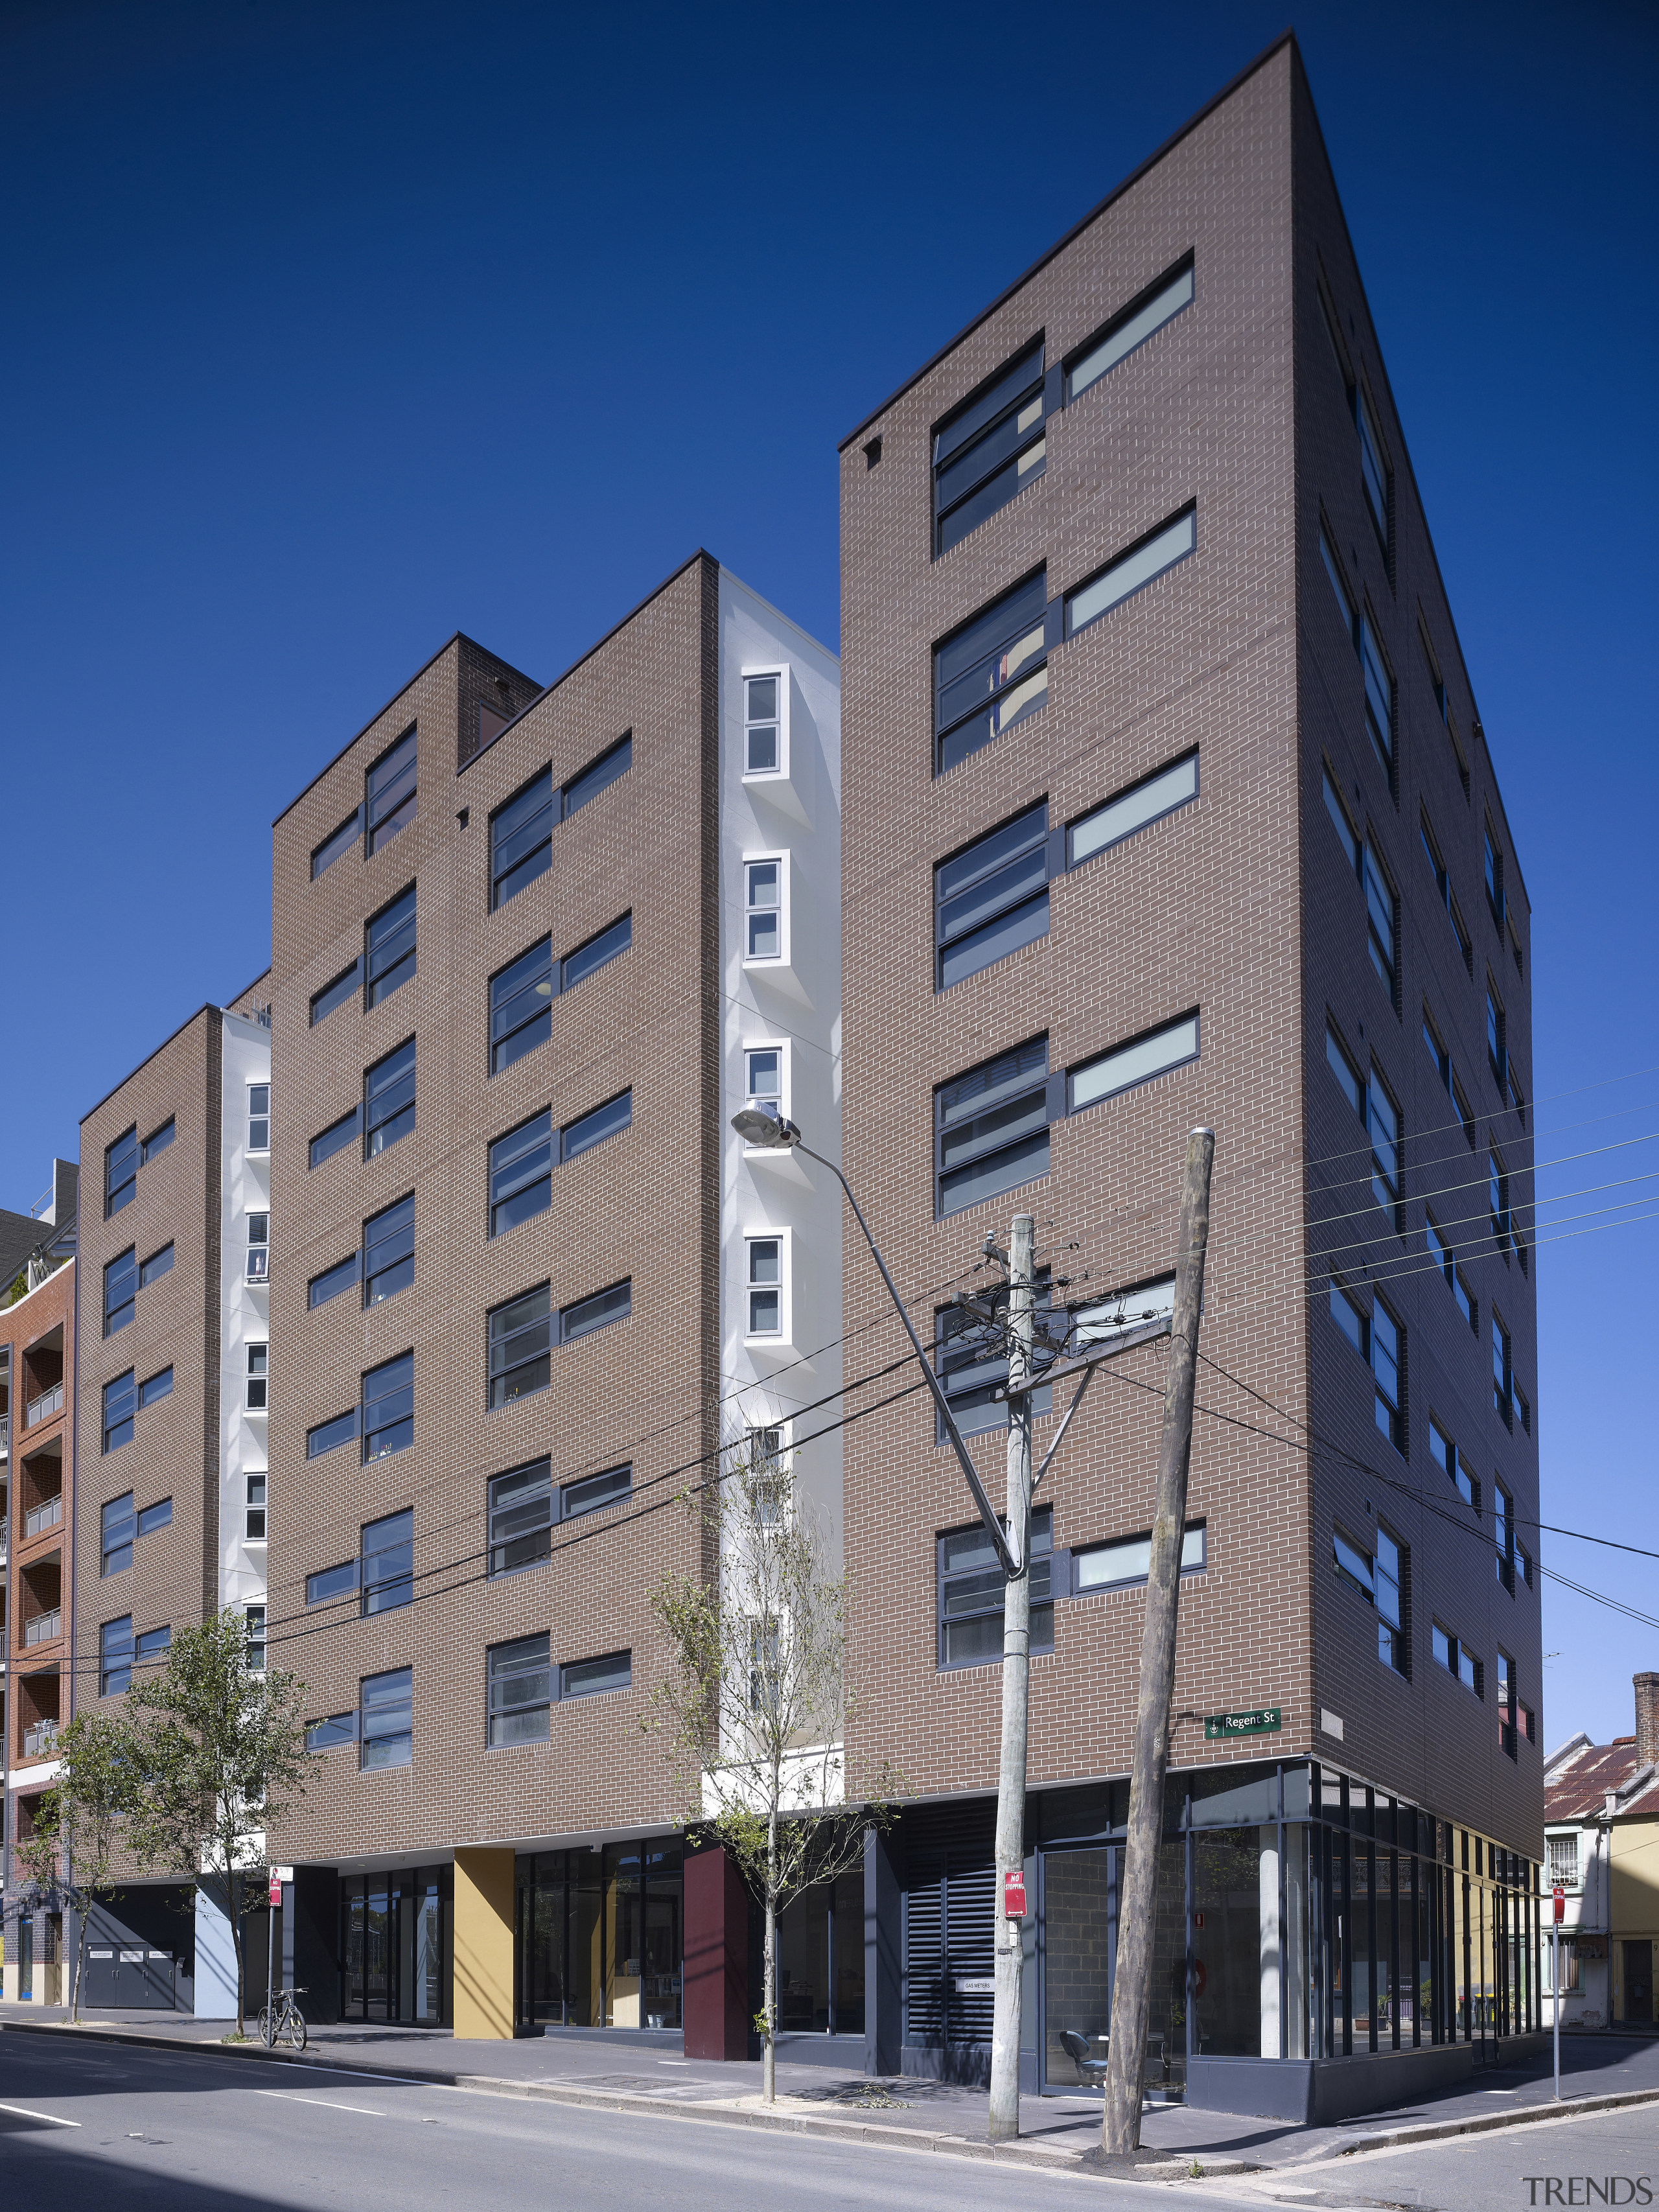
(23, 2112)
(289, 2096)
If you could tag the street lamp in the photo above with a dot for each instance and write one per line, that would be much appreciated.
(775, 1133)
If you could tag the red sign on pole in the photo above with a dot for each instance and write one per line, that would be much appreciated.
(276, 1891)
(1014, 1895)
(1560, 1906)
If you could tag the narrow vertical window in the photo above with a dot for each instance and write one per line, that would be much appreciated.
(389, 947)
(121, 1172)
(765, 1285)
(390, 793)
(990, 449)
(389, 1100)
(258, 1117)
(763, 909)
(761, 755)
(388, 1407)
(386, 1719)
(258, 1377)
(521, 839)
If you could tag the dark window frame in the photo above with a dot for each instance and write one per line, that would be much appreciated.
(388, 1250)
(1150, 295)
(571, 1500)
(1050, 1577)
(394, 1071)
(120, 1161)
(339, 991)
(991, 897)
(391, 805)
(983, 452)
(394, 972)
(368, 1735)
(972, 695)
(394, 1379)
(336, 844)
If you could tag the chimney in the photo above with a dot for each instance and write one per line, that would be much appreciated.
(1647, 1719)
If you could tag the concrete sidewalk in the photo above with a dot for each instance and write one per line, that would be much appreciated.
(595, 2070)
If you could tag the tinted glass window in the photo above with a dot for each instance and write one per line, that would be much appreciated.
(389, 1407)
(594, 1491)
(520, 1334)
(340, 993)
(121, 1172)
(993, 898)
(391, 793)
(589, 1130)
(330, 1284)
(520, 1516)
(598, 950)
(389, 1100)
(390, 948)
(120, 1403)
(120, 1290)
(991, 673)
(521, 839)
(158, 1264)
(327, 1435)
(587, 1677)
(600, 775)
(989, 450)
(335, 1138)
(159, 1139)
(521, 1006)
(388, 1578)
(992, 1127)
(521, 1178)
(387, 1723)
(520, 1691)
(389, 1251)
(589, 1314)
(157, 1386)
(339, 844)
(116, 1527)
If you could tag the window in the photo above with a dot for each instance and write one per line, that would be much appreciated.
(521, 839)
(255, 1524)
(519, 1342)
(1506, 1704)
(763, 1075)
(1380, 1579)
(335, 1138)
(762, 752)
(991, 1128)
(1382, 912)
(596, 1312)
(766, 1286)
(258, 1377)
(389, 1100)
(1494, 876)
(331, 1583)
(590, 1492)
(259, 1247)
(157, 1142)
(1453, 1465)
(1522, 1405)
(118, 1525)
(1146, 802)
(971, 1354)
(1383, 1126)
(390, 793)
(988, 449)
(1385, 1366)
(521, 1006)
(326, 1736)
(1126, 1562)
(389, 1251)
(333, 1281)
(590, 1129)
(159, 1516)
(389, 947)
(521, 1173)
(388, 1575)
(992, 673)
(1443, 893)
(1442, 704)
(992, 898)
(1503, 1529)
(1338, 585)
(1345, 829)
(121, 1173)
(577, 966)
(971, 1592)
(1563, 1861)
(1456, 1282)
(1458, 1660)
(520, 1691)
(1497, 1197)
(524, 1504)
(1140, 564)
(1126, 1309)
(386, 1726)
(156, 1387)
(152, 1646)
(1130, 1065)
(764, 918)
(336, 844)
(339, 992)
(588, 1678)
(255, 1639)
(258, 1117)
(121, 1290)
(1497, 1042)
(1374, 471)
(388, 1405)
(1159, 304)
(115, 1657)
(1342, 1068)
(328, 1435)
(120, 1403)
(1376, 677)
(599, 775)
(1448, 1080)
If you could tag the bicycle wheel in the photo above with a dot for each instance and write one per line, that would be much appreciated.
(296, 2027)
(267, 2027)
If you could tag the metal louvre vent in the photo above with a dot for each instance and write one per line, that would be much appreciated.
(950, 1902)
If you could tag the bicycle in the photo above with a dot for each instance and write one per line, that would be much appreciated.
(284, 2018)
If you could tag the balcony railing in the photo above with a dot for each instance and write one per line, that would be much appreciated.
(44, 1628)
(40, 1740)
(47, 1515)
(43, 1407)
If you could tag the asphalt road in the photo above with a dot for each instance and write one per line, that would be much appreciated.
(109, 2127)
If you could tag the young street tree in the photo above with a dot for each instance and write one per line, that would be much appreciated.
(756, 1706)
(79, 1822)
(222, 1750)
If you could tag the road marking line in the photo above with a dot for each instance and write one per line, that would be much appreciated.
(23, 2112)
(289, 2096)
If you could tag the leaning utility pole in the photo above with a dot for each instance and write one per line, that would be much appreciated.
(1009, 1955)
(1137, 1891)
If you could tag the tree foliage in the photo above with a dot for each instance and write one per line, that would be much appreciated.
(76, 1849)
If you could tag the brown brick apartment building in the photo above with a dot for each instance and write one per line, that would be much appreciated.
(1169, 803)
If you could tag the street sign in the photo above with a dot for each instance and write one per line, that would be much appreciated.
(1264, 1721)
(1014, 1895)
(1560, 1905)
(276, 1891)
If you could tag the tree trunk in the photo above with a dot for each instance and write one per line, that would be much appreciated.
(769, 2058)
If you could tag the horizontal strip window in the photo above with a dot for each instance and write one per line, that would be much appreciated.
(1148, 801)
(328, 1435)
(335, 1138)
(993, 672)
(988, 449)
(152, 1517)
(1141, 564)
(1126, 1563)
(331, 1583)
(155, 1388)
(328, 1735)
(605, 946)
(332, 1282)
(992, 898)
(523, 1332)
(1126, 1065)
(589, 1678)
(972, 1592)
(340, 993)
(389, 1100)
(599, 775)
(389, 947)
(158, 1264)
(526, 1504)
(157, 1141)
(1160, 303)
(590, 1129)
(338, 844)
(521, 831)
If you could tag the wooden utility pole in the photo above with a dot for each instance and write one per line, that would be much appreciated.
(1008, 1957)
(1137, 1912)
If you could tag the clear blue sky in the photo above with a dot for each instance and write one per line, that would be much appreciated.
(332, 330)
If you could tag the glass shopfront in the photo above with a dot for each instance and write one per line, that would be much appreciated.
(601, 1936)
(821, 1959)
(394, 1945)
